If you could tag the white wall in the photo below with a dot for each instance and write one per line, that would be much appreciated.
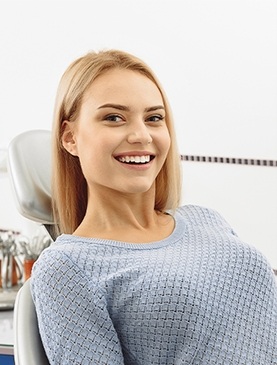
(216, 59)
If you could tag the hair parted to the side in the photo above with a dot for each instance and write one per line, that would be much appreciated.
(69, 187)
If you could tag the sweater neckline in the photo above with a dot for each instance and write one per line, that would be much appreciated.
(174, 236)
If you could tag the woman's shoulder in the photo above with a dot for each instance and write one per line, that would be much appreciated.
(52, 260)
(200, 215)
(210, 225)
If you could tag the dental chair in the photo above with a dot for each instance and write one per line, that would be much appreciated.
(28, 348)
(29, 168)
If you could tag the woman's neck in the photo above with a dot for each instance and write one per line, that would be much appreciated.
(128, 218)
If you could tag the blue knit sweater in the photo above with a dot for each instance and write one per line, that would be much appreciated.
(201, 296)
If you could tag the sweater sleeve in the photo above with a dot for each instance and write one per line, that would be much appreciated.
(74, 322)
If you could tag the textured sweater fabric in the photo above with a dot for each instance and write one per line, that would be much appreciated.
(200, 296)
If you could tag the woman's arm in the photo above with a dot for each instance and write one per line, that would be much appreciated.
(74, 323)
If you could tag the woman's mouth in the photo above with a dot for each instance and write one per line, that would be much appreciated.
(144, 159)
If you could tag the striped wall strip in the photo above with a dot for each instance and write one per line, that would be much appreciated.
(230, 160)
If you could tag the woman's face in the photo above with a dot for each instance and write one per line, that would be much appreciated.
(120, 136)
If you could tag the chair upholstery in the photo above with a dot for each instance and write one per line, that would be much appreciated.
(28, 348)
(29, 168)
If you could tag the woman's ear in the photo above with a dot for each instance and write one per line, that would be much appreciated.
(68, 139)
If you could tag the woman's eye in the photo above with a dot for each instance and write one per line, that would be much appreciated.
(113, 118)
(155, 118)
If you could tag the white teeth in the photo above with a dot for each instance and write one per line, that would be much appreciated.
(134, 159)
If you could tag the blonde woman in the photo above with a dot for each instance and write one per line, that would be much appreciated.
(133, 278)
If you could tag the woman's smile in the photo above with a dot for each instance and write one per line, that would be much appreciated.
(136, 159)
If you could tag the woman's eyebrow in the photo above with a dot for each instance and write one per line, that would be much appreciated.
(114, 106)
(126, 108)
(154, 108)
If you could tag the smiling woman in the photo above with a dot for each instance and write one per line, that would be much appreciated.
(130, 103)
(121, 118)
(133, 278)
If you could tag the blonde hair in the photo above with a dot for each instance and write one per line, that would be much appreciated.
(69, 187)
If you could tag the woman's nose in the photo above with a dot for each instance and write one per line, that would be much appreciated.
(139, 134)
